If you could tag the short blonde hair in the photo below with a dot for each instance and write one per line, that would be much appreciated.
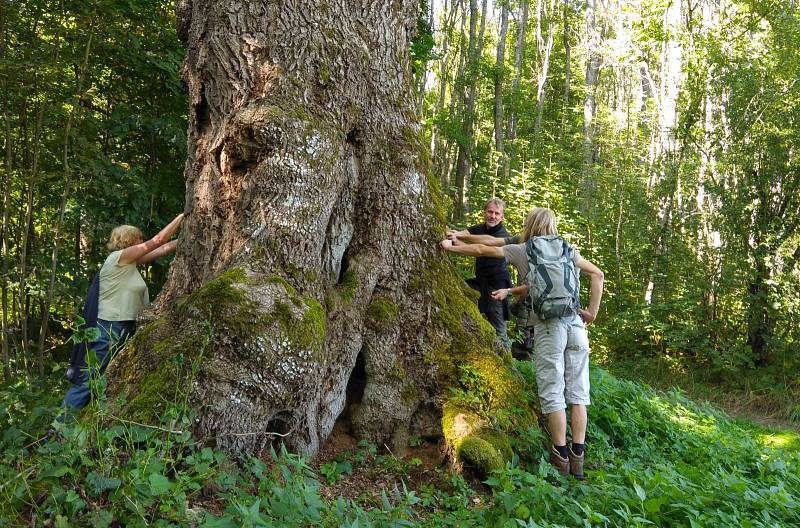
(541, 221)
(123, 236)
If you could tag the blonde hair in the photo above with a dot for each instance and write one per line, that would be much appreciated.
(123, 236)
(540, 221)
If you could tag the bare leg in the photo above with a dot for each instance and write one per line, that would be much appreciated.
(557, 422)
(578, 420)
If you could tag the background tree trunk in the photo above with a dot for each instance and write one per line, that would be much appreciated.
(309, 248)
(7, 183)
(464, 160)
(499, 75)
(23, 299)
(519, 50)
(567, 69)
(446, 61)
(589, 103)
(453, 58)
(58, 231)
(545, 48)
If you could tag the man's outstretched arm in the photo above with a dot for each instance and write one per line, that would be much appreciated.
(519, 291)
(468, 238)
(472, 250)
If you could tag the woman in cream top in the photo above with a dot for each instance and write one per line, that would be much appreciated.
(123, 294)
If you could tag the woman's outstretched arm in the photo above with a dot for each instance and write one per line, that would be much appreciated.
(134, 253)
(163, 251)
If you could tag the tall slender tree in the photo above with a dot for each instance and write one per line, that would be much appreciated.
(477, 25)
(519, 51)
(592, 40)
(499, 76)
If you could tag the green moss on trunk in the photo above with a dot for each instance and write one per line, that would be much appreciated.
(487, 400)
(162, 357)
(382, 311)
(306, 333)
(348, 285)
(480, 454)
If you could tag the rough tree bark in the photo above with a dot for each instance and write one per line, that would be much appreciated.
(307, 284)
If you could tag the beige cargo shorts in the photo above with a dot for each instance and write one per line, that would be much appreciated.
(561, 356)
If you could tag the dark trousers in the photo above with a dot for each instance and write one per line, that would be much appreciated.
(113, 336)
(495, 314)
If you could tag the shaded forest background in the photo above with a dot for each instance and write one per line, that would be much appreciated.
(664, 135)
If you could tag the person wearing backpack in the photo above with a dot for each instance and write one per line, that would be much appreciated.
(117, 295)
(491, 274)
(549, 269)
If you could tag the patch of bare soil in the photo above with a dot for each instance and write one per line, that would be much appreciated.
(361, 472)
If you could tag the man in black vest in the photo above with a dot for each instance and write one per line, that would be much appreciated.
(492, 273)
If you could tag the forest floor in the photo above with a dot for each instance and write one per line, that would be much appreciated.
(361, 472)
(644, 449)
(767, 398)
(357, 471)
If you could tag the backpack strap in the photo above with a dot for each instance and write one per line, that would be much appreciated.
(569, 266)
(548, 285)
(534, 255)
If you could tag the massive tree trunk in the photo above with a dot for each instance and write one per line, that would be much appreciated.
(307, 284)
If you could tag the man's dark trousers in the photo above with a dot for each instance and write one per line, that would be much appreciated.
(492, 274)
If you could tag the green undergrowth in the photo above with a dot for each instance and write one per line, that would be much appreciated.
(653, 459)
(770, 394)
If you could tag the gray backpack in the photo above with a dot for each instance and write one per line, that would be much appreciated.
(553, 283)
